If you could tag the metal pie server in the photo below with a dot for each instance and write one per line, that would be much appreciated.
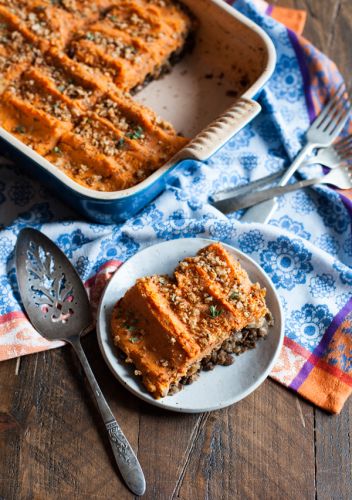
(57, 305)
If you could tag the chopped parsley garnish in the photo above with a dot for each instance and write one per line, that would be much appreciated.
(129, 325)
(134, 340)
(113, 18)
(120, 143)
(234, 296)
(136, 133)
(214, 311)
(61, 88)
(90, 36)
(57, 150)
(20, 129)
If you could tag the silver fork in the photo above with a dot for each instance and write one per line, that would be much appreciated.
(330, 157)
(333, 155)
(323, 131)
(340, 177)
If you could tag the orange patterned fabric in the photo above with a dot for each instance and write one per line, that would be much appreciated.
(294, 19)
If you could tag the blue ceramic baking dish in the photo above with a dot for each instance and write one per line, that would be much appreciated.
(232, 59)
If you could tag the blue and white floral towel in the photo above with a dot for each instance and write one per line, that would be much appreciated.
(306, 249)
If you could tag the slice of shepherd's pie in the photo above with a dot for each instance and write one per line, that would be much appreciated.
(172, 327)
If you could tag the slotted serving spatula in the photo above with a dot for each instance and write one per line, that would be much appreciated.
(57, 305)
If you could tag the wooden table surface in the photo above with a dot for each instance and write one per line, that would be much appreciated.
(272, 445)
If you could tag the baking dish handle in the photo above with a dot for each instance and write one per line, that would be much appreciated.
(207, 142)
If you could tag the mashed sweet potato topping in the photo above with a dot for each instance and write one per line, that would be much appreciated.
(67, 71)
(167, 326)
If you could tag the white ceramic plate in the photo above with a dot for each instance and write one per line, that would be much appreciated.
(215, 389)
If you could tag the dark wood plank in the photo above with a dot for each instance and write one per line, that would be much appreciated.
(334, 455)
(166, 441)
(10, 430)
(259, 448)
(56, 446)
(329, 24)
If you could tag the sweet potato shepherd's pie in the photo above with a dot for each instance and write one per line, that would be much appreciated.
(170, 328)
(68, 69)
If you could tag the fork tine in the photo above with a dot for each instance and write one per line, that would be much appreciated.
(346, 147)
(338, 121)
(344, 150)
(342, 143)
(346, 155)
(331, 103)
(338, 104)
(342, 140)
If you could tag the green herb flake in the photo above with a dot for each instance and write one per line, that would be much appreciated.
(134, 340)
(119, 312)
(120, 143)
(137, 133)
(129, 325)
(57, 150)
(214, 311)
(61, 88)
(90, 36)
(113, 18)
(234, 296)
(20, 129)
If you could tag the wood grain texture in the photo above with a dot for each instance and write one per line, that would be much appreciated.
(247, 451)
(272, 445)
(334, 455)
(329, 25)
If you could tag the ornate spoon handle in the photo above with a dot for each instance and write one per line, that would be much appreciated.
(125, 458)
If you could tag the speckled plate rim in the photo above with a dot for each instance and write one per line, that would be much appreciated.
(221, 377)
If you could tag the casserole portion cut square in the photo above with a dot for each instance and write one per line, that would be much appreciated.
(117, 55)
(97, 156)
(29, 107)
(171, 327)
(16, 52)
(33, 127)
(45, 24)
(84, 10)
(69, 78)
(134, 42)
(116, 145)
(156, 138)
